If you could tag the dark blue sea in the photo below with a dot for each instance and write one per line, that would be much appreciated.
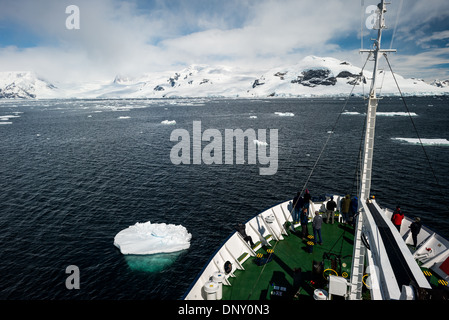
(73, 173)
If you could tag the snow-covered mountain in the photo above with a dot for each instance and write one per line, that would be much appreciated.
(312, 76)
(25, 85)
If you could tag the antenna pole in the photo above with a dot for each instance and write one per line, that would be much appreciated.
(372, 106)
(359, 252)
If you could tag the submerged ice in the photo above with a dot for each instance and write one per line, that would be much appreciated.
(151, 238)
(151, 263)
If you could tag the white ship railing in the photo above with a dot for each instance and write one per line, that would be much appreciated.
(265, 227)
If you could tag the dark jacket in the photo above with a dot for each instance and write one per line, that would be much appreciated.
(354, 205)
(345, 203)
(241, 229)
(304, 217)
(331, 205)
(415, 227)
(298, 202)
(307, 197)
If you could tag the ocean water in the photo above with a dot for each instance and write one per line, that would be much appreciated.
(73, 173)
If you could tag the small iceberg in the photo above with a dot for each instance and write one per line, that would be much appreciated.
(7, 117)
(397, 114)
(285, 114)
(425, 142)
(124, 117)
(150, 238)
(168, 122)
(384, 114)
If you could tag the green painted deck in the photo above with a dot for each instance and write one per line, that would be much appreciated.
(290, 273)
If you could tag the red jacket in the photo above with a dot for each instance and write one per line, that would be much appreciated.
(397, 218)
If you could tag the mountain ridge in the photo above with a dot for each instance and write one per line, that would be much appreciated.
(311, 77)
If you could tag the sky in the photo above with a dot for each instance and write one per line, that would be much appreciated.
(133, 37)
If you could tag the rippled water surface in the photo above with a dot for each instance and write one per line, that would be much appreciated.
(76, 172)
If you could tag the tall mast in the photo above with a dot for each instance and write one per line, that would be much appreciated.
(359, 251)
(367, 163)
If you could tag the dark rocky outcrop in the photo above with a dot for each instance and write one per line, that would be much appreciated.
(315, 77)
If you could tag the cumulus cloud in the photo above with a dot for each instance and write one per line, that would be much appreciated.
(134, 37)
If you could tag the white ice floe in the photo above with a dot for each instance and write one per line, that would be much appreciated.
(384, 114)
(426, 142)
(3, 122)
(260, 143)
(285, 114)
(124, 117)
(7, 117)
(396, 114)
(168, 122)
(151, 238)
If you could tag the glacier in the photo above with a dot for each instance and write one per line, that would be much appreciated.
(311, 77)
(151, 238)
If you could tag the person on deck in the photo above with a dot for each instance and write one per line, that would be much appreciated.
(353, 208)
(330, 207)
(316, 224)
(298, 203)
(241, 229)
(415, 228)
(304, 221)
(344, 207)
(307, 199)
(397, 218)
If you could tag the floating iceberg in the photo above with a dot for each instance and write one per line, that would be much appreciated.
(397, 114)
(351, 112)
(168, 122)
(285, 114)
(7, 117)
(148, 238)
(124, 117)
(426, 142)
(384, 114)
